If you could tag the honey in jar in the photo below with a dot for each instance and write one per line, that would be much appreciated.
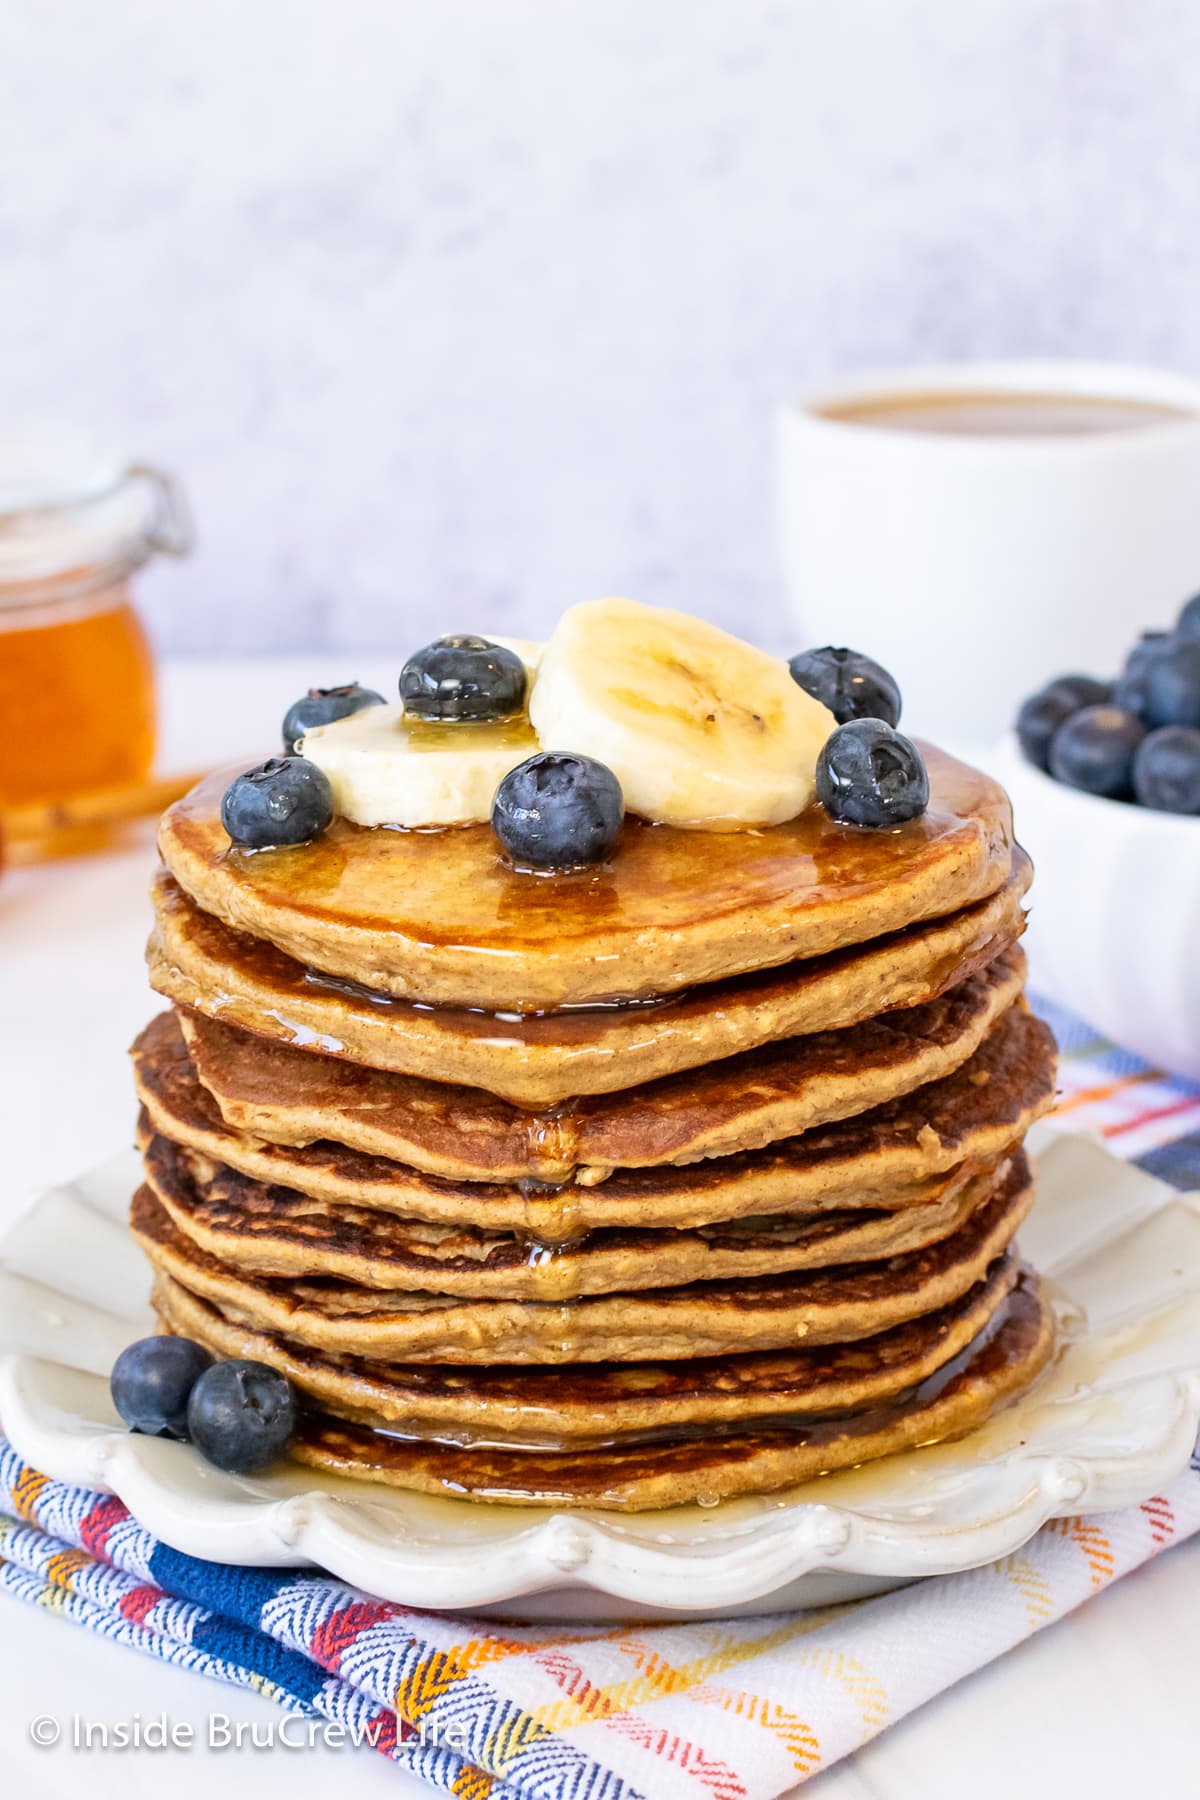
(76, 676)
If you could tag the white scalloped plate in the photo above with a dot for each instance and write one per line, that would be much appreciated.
(1114, 1419)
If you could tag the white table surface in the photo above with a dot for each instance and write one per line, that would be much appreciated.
(1102, 1704)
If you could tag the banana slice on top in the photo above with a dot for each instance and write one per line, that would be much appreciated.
(386, 769)
(700, 728)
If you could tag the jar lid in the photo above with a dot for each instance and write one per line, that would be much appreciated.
(72, 507)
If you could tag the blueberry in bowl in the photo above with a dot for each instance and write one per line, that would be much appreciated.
(1166, 769)
(1094, 750)
(1106, 798)
(1171, 677)
(1039, 719)
(1087, 732)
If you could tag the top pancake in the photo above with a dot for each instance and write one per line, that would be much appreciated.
(441, 917)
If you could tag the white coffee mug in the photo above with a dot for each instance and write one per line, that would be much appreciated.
(976, 567)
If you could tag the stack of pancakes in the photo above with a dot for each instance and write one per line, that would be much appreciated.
(691, 1175)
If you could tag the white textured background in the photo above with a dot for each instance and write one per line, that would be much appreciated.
(456, 312)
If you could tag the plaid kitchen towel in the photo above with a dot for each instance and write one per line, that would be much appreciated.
(739, 1710)
(1148, 1117)
(733, 1710)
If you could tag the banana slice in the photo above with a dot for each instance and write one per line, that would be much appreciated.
(699, 728)
(386, 769)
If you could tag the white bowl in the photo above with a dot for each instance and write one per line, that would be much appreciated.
(1114, 926)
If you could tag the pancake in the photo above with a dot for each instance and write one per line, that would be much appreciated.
(198, 962)
(957, 1400)
(441, 917)
(709, 1318)
(598, 1404)
(275, 1231)
(740, 1104)
(912, 1152)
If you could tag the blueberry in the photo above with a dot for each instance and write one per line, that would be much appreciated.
(1166, 769)
(286, 800)
(152, 1380)
(851, 685)
(1188, 625)
(1084, 690)
(463, 678)
(1094, 750)
(868, 774)
(321, 706)
(241, 1415)
(1132, 689)
(1039, 719)
(557, 811)
(1172, 684)
(1129, 691)
(1147, 648)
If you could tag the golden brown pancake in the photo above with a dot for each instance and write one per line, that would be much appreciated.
(200, 963)
(441, 917)
(278, 1232)
(709, 1318)
(739, 1104)
(913, 1152)
(760, 1461)
(603, 1403)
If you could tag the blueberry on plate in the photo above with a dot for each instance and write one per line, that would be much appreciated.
(241, 1415)
(868, 774)
(1094, 751)
(1166, 769)
(1038, 720)
(1188, 625)
(321, 706)
(463, 678)
(286, 800)
(152, 1381)
(1172, 684)
(850, 684)
(557, 811)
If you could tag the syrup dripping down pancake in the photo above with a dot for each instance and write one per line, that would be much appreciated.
(277, 1232)
(707, 1318)
(909, 1152)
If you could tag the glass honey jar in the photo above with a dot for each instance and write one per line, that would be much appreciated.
(77, 702)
